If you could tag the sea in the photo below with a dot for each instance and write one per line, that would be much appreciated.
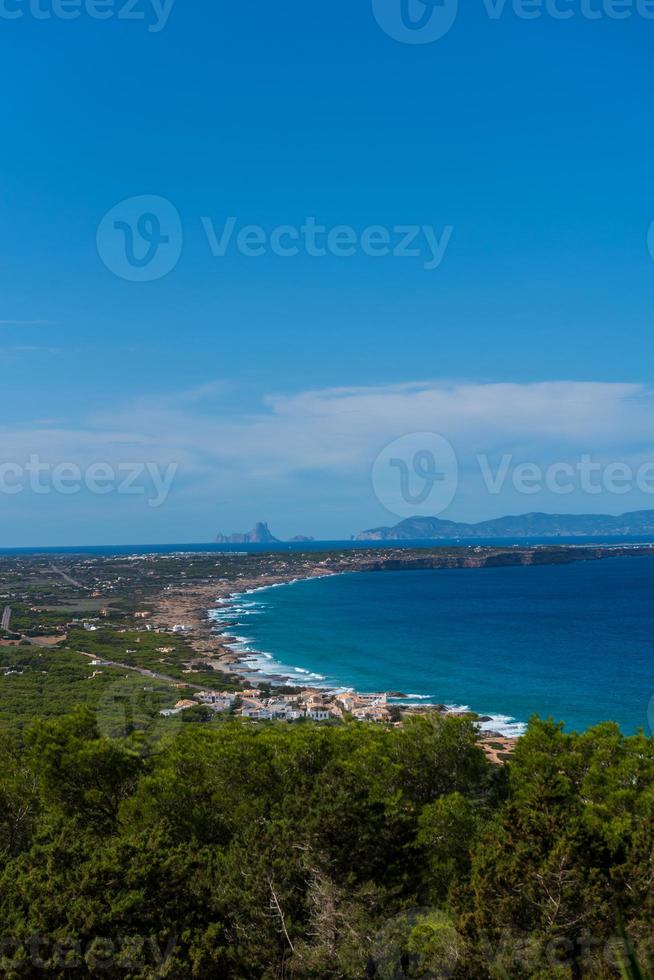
(570, 642)
(290, 546)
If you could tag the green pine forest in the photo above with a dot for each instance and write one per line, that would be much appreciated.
(356, 851)
(135, 846)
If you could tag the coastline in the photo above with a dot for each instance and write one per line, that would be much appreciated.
(217, 645)
(252, 663)
(191, 606)
(210, 613)
(234, 606)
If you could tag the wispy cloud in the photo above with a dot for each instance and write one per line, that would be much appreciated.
(30, 349)
(28, 323)
(327, 439)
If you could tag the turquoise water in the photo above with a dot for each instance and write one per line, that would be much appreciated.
(575, 642)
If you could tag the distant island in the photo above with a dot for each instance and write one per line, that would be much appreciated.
(260, 534)
(636, 524)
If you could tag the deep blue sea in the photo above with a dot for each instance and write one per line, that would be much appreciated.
(575, 642)
(282, 546)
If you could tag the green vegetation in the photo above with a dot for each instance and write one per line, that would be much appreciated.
(135, 845)
(45, 683)
(160, 652)
(248, 851)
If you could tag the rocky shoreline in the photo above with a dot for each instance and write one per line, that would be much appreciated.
(190, 606)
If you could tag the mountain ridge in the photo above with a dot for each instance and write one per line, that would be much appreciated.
(535, 524)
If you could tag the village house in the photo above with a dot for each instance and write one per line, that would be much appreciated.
(210, 696)
(220, 704)
(284, 711)
(184, 704)
(372, 713)
(256, 712)
(319, 714)
(372, 699)
(217, 702)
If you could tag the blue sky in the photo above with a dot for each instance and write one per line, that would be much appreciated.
(531, 139)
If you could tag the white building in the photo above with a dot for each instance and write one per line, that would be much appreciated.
(319, 714)
(256, 712)
(219, 704)
(211, 697)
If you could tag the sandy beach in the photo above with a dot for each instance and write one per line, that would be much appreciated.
(190, 606)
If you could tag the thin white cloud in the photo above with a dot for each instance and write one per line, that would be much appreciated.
(27, 323)
(329, 438)
(337, 427)
(313, 427)
(18, 349)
